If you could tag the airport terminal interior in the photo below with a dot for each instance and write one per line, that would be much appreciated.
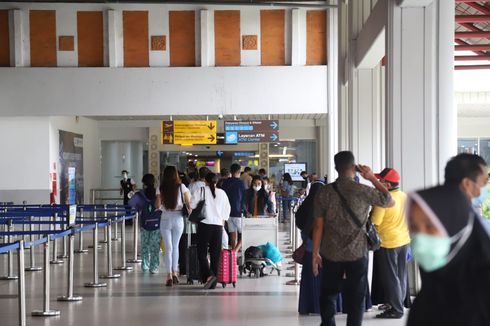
(95, 95)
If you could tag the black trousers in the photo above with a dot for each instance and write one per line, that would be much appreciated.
(354, 287)
(393, 275)
(209, 236)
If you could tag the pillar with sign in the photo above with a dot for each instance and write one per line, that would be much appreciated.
(264, 156)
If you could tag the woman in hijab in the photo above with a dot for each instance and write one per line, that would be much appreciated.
(452, 247)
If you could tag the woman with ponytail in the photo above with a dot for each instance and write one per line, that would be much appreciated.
(210, 230)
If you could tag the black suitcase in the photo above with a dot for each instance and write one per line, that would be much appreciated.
(191, 260)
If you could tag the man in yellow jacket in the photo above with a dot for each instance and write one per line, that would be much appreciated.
(395, 239)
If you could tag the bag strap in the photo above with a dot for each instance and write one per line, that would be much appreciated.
(346, 206)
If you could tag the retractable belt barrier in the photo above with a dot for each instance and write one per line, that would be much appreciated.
(44, 225)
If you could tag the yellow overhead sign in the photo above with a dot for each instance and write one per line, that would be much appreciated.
(189, 132)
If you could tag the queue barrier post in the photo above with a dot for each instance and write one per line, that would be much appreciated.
(123, 267)
(295, 269)
(115, 230)
(55, 260)
(94, 217)
(69, 297)
(10, 256)
(46, 312)
(32, 256)
(135, 259)
(64, 254)
(95, 259)
(110, 274)
(105, 218)
(21, 284)
(80, 249)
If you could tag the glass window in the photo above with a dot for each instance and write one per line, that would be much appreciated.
(468, 145)
(485, 149)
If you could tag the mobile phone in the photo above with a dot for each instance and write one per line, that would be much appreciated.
(358, 169)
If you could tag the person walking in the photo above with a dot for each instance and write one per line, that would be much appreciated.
(174, 196)
(257, 202)
(343, 244)
(146, 201)
(287, 192)
(235, 191)
(451, 244)
(391, 258)
(210, 230)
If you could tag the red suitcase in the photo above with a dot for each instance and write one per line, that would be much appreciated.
(228, 268)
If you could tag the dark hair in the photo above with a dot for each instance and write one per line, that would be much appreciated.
(265, 179)
(262, 171)
(303, 172)
(149, 186)
(344, 161)
(124, 171)
(247, 169)
(287, 178)
(463, 166)
(169, 187)
(394, 185)
(212, 179)
(257, 177)
(202, 172)
(224, 172)
(235, 168)
(192, 176)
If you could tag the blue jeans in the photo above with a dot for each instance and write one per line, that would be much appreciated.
(171, 227)
(354, 288)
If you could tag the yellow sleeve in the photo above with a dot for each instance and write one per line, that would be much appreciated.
(377, 215)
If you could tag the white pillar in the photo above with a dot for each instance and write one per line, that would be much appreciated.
(115, 36)
(421, 118)
(18, 40)
(298, 37)
(207, 38)
(332, 128)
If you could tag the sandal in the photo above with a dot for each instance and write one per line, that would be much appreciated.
(175, 280)
(169, 282)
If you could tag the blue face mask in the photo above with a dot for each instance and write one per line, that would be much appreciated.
(478, 201)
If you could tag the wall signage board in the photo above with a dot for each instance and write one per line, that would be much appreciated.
(189, 132)
(251, 131)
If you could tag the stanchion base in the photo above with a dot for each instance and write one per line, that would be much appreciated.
(70, 299)
(9, 278)
(49, 313)
(103, 241)
(83, 251)
(123, 268)
(33, 269)
(293, 282)
(289, 275)
(113, 276)
(95, 285)
(115, 239)
(290, 268)
(56, 262)
(62, 257)
(92, 247)
(133, 261)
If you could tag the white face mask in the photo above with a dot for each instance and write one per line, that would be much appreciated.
(125, 176)
(257, 188)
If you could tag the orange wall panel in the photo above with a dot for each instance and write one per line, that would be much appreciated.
(136, 45)
(4, 39)
(43, 38)
(227, 37)
(316, 37)
(90, 30)
(182, 38)
(272, 37)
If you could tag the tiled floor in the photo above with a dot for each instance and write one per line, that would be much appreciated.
(142, 299)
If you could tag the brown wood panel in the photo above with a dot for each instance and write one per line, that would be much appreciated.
(182, 38)
(227, 37)
(316, 37)
(90, 30)
(43, 38)
(136, 47)
(4, 39)
(272, 37)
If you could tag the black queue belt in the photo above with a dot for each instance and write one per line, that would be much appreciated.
(44, 225)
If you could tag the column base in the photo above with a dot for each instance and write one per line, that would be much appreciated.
(123, 268)
(49, 313)
(95, 285)
(33, 269)
(70, 299)
(108, 277)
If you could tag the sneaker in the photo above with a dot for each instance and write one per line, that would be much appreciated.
(154, 271)
(389, 314)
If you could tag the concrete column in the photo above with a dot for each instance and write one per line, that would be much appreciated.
(207, 38)
(421, 117)
(18, 41)
(115, 38)
(332, 130)
(264, 156)
(298, 37)
(153, 153)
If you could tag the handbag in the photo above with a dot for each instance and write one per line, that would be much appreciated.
(373, 240)
(185, 209)
(299, 254)
(197, 214)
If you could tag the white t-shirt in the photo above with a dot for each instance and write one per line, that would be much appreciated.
(183, 189)
(217, 210)
(195, 186)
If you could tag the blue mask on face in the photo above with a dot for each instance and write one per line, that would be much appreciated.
(478, 201)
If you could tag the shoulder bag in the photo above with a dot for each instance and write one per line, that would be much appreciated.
(373, 240)
(185, 209)
(197, 214)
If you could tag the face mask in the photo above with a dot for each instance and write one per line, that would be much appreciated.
(478, 201)
(125, 176)
(430, 251)
(257, 188)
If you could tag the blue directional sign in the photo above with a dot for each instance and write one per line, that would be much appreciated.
(220, 153)
(251, 131)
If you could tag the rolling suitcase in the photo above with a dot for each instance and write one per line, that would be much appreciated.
(228, 268)
(192, 262)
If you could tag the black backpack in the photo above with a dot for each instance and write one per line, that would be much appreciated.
(150, 217)
(253, 252)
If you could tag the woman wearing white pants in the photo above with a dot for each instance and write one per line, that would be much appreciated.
(174, 196)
